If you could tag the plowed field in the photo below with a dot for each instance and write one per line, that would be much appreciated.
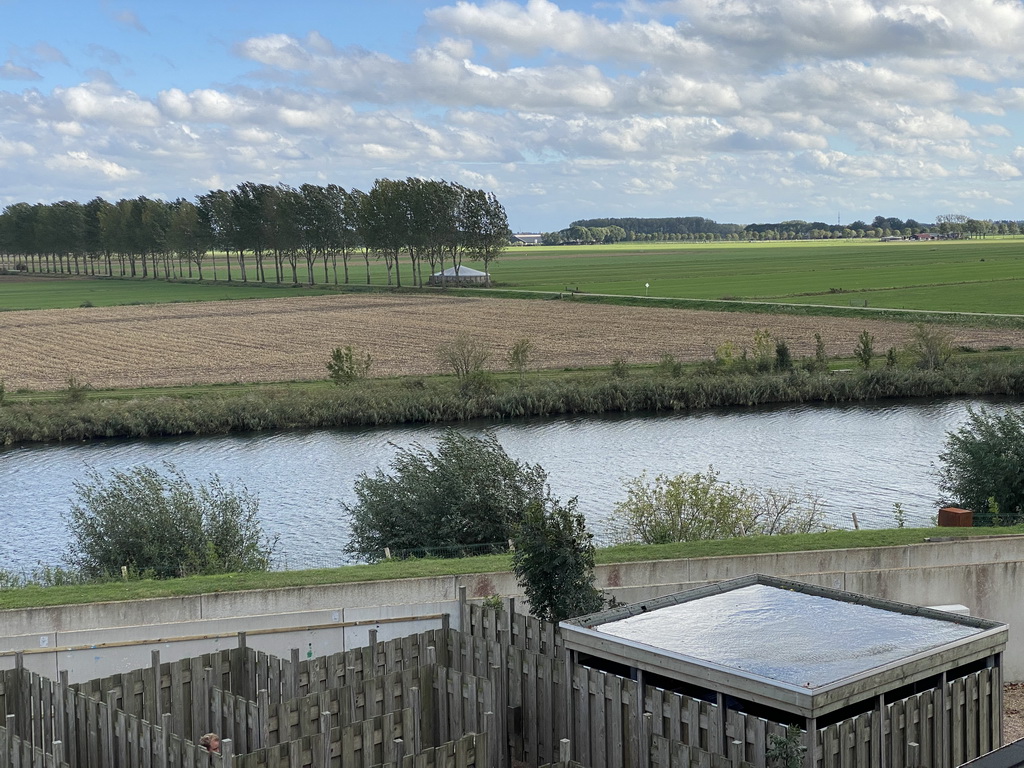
(291, 338)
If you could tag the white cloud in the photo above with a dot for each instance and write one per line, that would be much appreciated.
(100, 102)
(11, 71)
(84, 162)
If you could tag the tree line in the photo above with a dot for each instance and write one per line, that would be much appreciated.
(699, 229)
(268, 233)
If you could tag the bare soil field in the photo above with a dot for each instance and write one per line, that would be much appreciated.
(290, 339)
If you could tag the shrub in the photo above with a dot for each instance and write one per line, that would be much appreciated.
(783, 357)
(554, 561)
(346, 366)
(520, 356)
(931, 347)
(687, 507)
(669, 366)
(699, 506)
(620, 368)
(161, 525)
(3, 391)
(982, 460)
(463, 355)
(468, 493)
(75, 389)
(865, 349)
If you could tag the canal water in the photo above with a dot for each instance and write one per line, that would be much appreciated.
(859, 459)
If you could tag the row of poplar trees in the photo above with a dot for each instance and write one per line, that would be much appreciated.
(268, 233)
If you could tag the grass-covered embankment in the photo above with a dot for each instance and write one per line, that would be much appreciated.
(74, 416)
(34, 596)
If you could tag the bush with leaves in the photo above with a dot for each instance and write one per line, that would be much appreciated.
(931, 347)
(700, 506)
(553, 561)
(163, 526)
(469, 493)
(982, 464)
(346, 365)
(865, 349)
(463, 355)
(520, 356)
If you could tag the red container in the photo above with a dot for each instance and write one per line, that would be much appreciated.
(954, 517)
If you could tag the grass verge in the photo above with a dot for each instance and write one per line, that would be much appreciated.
(35, 597)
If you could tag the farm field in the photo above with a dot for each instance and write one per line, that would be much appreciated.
(974, 276)
(289, 339)
(60, 293)
(985, 276)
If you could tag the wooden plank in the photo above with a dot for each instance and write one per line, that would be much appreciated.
(971, 717)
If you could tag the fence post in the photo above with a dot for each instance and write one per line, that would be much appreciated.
(464, 620)
(325, 736)
(165, 731)
(564, 751)
(646, 738)
(263, 710)
(155, 705)
(227, 750)
(60, 724)
(372, 643)
(5, 743)
(292, 690)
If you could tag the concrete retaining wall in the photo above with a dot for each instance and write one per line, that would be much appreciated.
(982, 573)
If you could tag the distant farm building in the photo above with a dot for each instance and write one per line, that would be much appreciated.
(460, 276)
(924, 236)
(527, 238)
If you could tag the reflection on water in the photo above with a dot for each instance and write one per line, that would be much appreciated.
(856, 458)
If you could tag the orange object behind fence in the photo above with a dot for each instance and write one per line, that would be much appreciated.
(955, 517)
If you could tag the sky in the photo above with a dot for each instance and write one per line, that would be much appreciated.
(741, 111)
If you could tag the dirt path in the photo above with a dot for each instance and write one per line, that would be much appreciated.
(286, 339)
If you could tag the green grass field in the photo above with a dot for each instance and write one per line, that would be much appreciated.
(984, 276)
(970, 276)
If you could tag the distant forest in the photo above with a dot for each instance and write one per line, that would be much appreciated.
(699, 229)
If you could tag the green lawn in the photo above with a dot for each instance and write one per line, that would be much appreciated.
(965, 276)
(979, 276)
(62, 293)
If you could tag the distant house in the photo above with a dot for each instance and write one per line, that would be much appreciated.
(527, 238)
(890, 238)
(460, 276)
(924, 236)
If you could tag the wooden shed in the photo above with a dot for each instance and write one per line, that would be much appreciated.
(869, 682)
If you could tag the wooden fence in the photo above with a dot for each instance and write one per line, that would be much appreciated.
(412, 701)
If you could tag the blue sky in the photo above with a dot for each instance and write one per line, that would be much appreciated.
(737, 110)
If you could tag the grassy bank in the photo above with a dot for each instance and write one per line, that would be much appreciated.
(29, 597)
(79, 415)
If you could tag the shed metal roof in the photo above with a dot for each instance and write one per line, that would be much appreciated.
(803, 647)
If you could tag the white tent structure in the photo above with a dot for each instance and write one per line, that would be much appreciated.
(460, 276)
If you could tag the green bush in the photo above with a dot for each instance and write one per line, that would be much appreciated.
(982, 464)
(346, 366)
(468, 493)
(463, 356)
(931, 347)
(865, 349)
(160, 525)
(699, 506)
(520, 356)
(553, 561)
